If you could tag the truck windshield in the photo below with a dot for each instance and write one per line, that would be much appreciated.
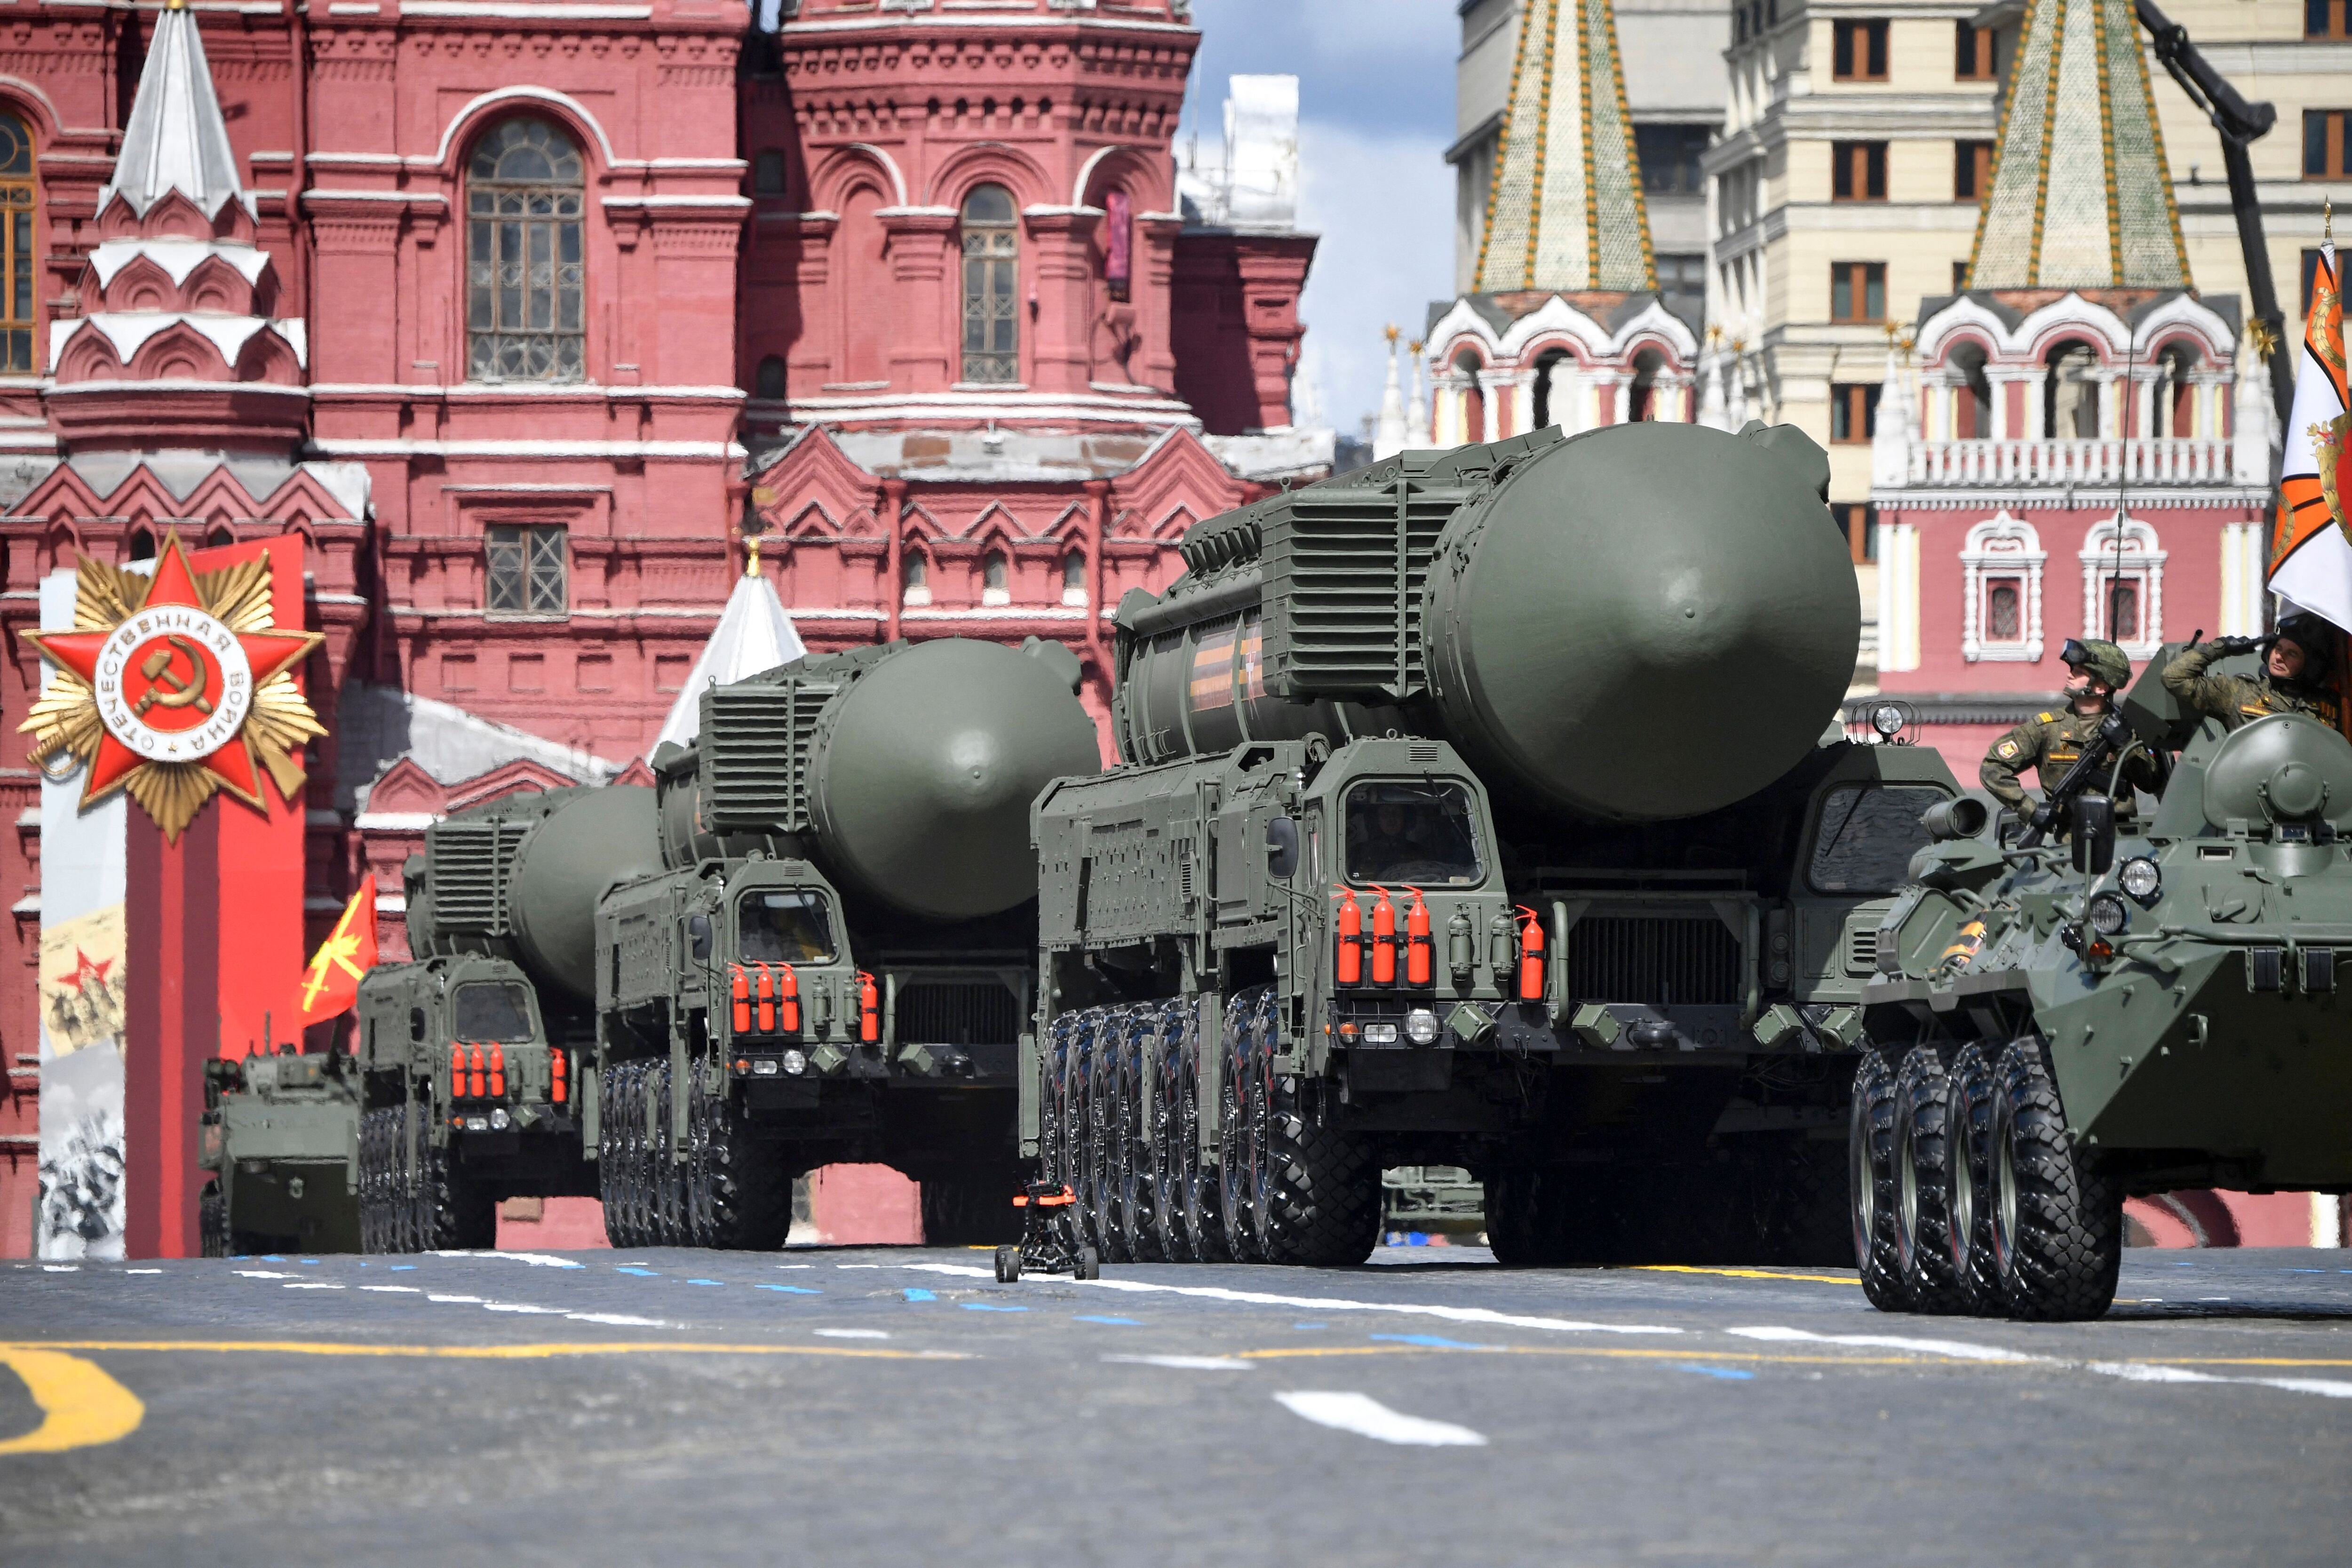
(783, 925)
(1413, 835)
(1867, 836)
(493, 1010)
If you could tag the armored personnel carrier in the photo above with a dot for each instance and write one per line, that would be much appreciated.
(2056, 1028)
(280, 1132)
(1476, 809)
(810, 943)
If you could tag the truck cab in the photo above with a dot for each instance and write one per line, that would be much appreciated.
(281, 1133)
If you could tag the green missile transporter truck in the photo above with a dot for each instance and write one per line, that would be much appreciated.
(810, 943)
(1475, 809)
(2055, 1028)
(280, 1132)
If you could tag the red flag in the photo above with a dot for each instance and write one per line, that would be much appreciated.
(331, 984)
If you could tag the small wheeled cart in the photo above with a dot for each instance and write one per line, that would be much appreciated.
(1049, 1237)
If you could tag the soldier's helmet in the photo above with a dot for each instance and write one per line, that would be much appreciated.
(2106, 663)
(2315, 637)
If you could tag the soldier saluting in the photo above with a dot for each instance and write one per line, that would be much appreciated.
(2052, 743)
(2295, 678)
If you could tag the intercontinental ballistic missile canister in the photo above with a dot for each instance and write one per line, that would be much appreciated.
(1639, 624)
(904, 773)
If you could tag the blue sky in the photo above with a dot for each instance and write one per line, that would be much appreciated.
(1376, 115)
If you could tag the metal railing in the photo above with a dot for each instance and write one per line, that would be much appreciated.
(2165, 459)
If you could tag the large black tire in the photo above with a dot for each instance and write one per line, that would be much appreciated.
(1926, 1144)
(670, 1174)
(751, 1190)
(461, 1217)
(211, 1222)
(1194, 1204)
(375, 1156)
(1869, 1190)
(1322, 1185)
(613, 1155)
(1241, 1134)
(1137, 1043)
(2058, 1225)
(1514, 1227)
(971, 1207)
(1969, 1207)
(410, 1210)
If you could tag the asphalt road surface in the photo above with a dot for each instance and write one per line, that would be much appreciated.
(899, 1407)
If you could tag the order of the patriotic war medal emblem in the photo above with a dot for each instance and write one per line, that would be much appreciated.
(174, 687)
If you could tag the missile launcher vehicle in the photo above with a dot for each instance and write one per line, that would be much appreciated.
(280, 1132)
(1476, 809)
(811, 941)
(2053, 1029)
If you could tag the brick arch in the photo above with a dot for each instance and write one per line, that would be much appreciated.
(846, 169)
(468, 125)
(990, 163)
(266, 357)
(1132, 169)
(28, 103)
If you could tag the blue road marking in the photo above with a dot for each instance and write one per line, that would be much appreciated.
(1122, 1322)
(271, 1257)
(706, 1281)
(1310, 1325)
(790, 1289)
(2306, 1272)
(645, 1273)
(403, 1267)
(312, 1262)
(916, 1293)
(1729, 1374)
(984, 1306)
(1434, 1342)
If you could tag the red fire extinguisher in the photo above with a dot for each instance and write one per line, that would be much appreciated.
(790, 1003)
(1531, 957)
(1417, 961)
(767, 1000)
(1384, 939)
(869, 1009)
(1349, 957)
(740, 989)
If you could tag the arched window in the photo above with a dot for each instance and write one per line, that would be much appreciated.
(1473, 397)
(2073, 398)
(1641, 398)
(1074, 578)
(995, 580)
(2123, 585)
(523, 305)
(1551, 378)
(2000, 615)
(2173, 403)
(1972, 399)
(769, 383)
(16, 252)
(917, 571)
(142, 544)
(992, 287)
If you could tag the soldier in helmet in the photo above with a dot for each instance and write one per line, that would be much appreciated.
(2295, 675)
(2050, 742)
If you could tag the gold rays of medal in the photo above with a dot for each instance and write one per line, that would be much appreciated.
(65, 724)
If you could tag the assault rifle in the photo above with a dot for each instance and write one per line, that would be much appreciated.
(2099, 753)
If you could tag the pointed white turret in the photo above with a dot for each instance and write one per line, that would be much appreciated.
(1416, 408)
(176, 139)
(2255, 444)
(1712, 411)
(1890, 441)
(1388, 434)
(753, 634)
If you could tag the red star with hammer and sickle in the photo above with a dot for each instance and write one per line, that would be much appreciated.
(85, 971)
(175, 584)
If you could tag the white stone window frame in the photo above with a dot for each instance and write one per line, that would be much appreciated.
(2000, 546)
(2143, 563)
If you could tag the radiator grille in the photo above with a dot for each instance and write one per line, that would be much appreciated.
(1343, 590)
(755, 753)
(471, 863)
(1861, 950)
(1677, 962)
(958, 1013)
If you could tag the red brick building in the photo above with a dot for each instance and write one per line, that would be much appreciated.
(521, 313)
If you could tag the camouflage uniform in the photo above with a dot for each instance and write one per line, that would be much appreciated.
(2234, 698)
(2048, 744)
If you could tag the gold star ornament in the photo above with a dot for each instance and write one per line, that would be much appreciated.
(174, 687)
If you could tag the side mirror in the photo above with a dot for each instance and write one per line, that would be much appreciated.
(2094, 834)
(1960, 817)
(697, 936)
(1281, 847)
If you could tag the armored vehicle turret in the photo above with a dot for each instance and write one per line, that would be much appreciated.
(280, 1132)
(1484, 808)
(2056, 1028)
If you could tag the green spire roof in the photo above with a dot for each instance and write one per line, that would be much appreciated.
(1565, 213)
(2080, 197)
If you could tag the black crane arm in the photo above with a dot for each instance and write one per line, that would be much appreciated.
(2238, 123)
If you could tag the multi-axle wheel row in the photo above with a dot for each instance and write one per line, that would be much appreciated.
(412, 1197)
(1121, 1125)
(1967, 1193)
(731, 1190)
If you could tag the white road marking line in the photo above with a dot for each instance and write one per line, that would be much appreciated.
(394, 1290)
(988, 1272)
(618, 1320)
(1368, 1417)
(310, 1285)
(143, 1271)
(1960, 1349)
(60, 1268)
(2135, 1371)
(262, 1274)
(853, 1333)
(519, 1307)
(1328, 1304)
(458, 1300)
(536, 1259)
(1188, 1363)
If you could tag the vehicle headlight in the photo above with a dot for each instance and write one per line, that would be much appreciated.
(1887, 720)
(1420, 1025)
(498, 1120)
(1379, 1033)
(795, 1063)
(2108, 914)
(2140, 877)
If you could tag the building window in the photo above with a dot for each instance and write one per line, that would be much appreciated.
(1858, 51)
(2172, 399)
(769, 383)
(2123, 585)
(16, 252)
(1858, 171)
(1642, 397)
(1669, 156)
(1858, 522)
(1971, 171)
(2327, 19)
(1857, 290)
(1853, 411)
(2323, 143)
(2001, 610)
(995, 579)
(523, 275)
(768, 172)
(1682, 283)
(527, 572)
(1974, 53)
(992, 287)
(2070, 394)
(1074, 578)
(1972, 397)
(1474, 398)
(917, 571)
